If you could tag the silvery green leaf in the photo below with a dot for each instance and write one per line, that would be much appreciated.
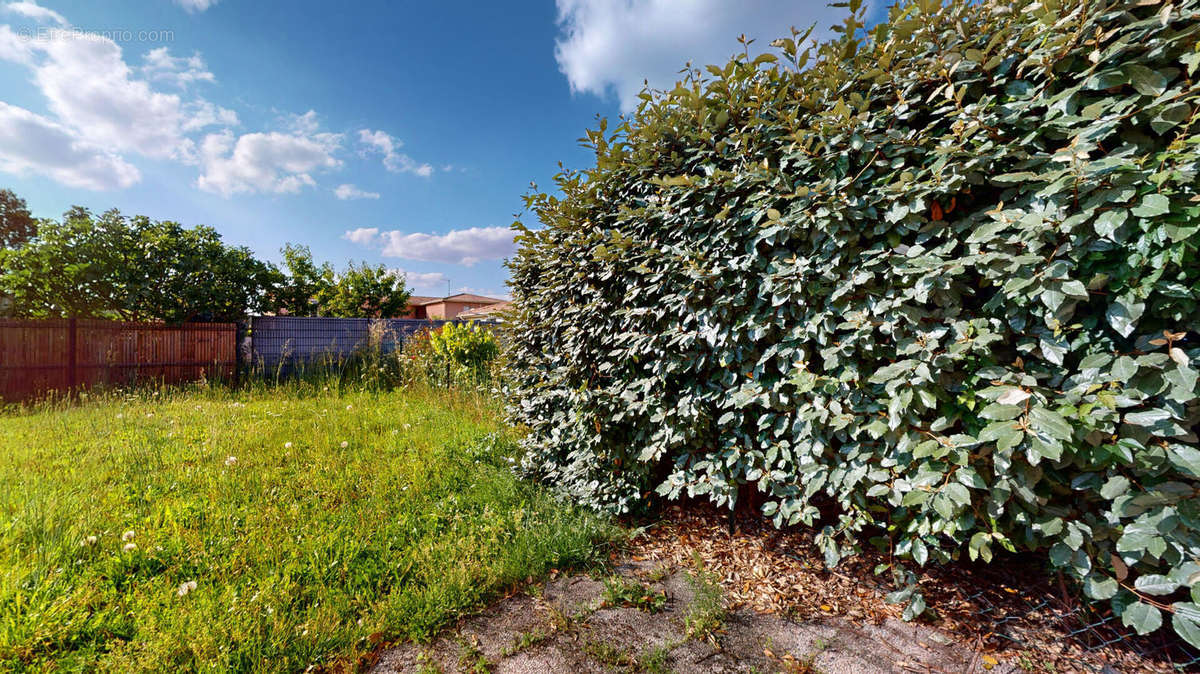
(1109, 221)
(1142, 617)
(1123, 315)
(1152, 205)
(1146, 80)
(1115, 487)
(1186, 621)
(1147, 417)
(1100, 587)
(1013, 396)
(1000, 412)
(1124, 369)
(1051, 422)
(1155, 584)
(1185, 457)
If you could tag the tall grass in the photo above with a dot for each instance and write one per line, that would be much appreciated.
(272, 529)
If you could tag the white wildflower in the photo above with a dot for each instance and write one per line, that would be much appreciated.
(345, 444)
(130, 547)
(127, 536)
(90, 540)
(231, 461)
(186, 588)
(287, 445)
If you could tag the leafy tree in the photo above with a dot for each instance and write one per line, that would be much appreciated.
(305, 282)
(132, 269)
(17, 225)
(188, 274)
(68, 269)
(364, 291)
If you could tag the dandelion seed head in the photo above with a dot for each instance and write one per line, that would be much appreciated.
(345, 444)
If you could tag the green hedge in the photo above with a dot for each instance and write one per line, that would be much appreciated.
(941, 272)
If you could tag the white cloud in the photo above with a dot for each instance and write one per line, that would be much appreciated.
(14, 47)
(426, 282)
(90, 88)
(36, 12)
(273, 162)
(347, 191)
(460, 246)
(613, 47)
(202, 113)
(195, 5)
(380, 142)
(94, 93)
(179, 71)
(32, 143)
(363, 236)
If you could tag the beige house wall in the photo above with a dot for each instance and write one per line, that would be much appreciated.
(446, 310)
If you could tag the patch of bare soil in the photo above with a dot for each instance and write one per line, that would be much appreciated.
(695, 594)
(573, 625)
(1011, 610)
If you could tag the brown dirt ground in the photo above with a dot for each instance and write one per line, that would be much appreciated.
(785, 613)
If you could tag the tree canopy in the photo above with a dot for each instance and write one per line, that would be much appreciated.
(359, 291)
(112, 266)
(17, 225)
(134, 268)
(364, 290)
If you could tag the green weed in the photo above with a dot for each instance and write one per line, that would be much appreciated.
(706, 613)
(621, 591)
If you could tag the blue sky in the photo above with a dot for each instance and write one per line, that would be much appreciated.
(395, 132)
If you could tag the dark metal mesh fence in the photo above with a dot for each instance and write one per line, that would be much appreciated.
(280, 344)
(1095, 641)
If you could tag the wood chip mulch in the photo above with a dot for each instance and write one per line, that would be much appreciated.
(1012, 608)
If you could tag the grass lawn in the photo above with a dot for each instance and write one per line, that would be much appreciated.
(270, 530)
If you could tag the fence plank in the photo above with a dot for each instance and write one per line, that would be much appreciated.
(37, 357)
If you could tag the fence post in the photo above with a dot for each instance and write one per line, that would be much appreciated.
(72, 356)
(237, 354)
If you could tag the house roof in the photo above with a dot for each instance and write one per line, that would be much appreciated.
(416, 300)
(487, 309)
(460, 297)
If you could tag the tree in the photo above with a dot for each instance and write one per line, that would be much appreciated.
(188, 274)
(131, 269)
(17, 224)
(66, 270)
(297, 294)
(365, 291)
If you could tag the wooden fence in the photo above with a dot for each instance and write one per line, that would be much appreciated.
(37, 357)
